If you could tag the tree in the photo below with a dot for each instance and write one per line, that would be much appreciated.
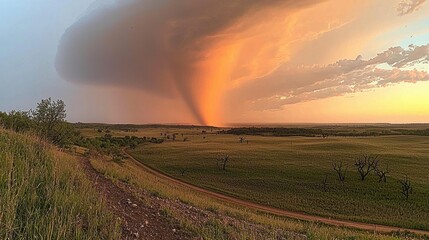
(341, 172)
(49, 118)
(382, 174)
(242, 139)
(365, 165)
(325, 183)
(406, 187)
(48, 115)
(222, 162)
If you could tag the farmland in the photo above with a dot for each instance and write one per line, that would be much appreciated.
(288, 172)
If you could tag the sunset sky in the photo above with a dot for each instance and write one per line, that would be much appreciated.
(218, 62)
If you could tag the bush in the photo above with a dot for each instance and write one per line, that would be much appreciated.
(17, 121)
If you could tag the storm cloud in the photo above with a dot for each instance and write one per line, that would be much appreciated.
(153, 45)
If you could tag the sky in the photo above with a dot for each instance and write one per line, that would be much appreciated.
(211, 63)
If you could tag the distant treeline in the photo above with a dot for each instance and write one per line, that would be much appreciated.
(319, 132)
(128, 127)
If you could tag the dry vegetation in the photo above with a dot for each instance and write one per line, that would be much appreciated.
(44, 194)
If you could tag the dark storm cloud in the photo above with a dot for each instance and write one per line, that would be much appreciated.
(151, 44)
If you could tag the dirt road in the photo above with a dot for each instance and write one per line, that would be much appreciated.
(139, 220)
(276, 211)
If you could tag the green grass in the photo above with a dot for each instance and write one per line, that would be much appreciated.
(131, 173)
(286, 172)
(45, 195)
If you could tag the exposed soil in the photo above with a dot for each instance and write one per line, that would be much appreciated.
(145, 215)
(140, 220)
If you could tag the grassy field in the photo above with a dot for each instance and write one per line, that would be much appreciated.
(287, 172)
(45, 195)
(127, 171)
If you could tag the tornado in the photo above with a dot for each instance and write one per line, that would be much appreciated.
(152, 45)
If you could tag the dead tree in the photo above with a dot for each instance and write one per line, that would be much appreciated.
(382, 173)
(242, 139)
(341, 171)
(222, 162)
(365, 165)
(325, 183)
(406, 187)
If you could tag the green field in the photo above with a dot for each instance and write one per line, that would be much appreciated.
(287, 172)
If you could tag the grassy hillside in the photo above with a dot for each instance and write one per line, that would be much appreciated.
(287, 172)
(44, 194)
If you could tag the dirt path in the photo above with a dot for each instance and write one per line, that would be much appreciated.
(276, 211)
(140, 221)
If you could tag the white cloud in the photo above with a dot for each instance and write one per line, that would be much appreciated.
(289, 85)
(409, 6)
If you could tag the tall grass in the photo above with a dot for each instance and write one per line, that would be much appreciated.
(45, 195)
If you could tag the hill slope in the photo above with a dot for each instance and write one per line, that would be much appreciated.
(44, 194)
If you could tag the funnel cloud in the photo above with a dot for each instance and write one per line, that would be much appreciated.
(211, 62)
(153, 45)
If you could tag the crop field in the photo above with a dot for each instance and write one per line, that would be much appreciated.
(288, 172)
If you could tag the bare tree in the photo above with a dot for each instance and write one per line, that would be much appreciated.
(242, 139)
(222, 162)
(325, 183)
(341, 171)
(382, 173)
(365, 165)
(406, 187)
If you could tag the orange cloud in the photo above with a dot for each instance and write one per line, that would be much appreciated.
(199, 53)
